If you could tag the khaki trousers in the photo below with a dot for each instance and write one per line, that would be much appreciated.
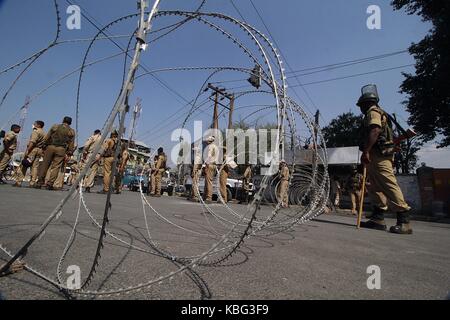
(152, 182)
(4, 160)
(355, 197)
(89, 178)
(73, 177)
(53, 160)
(283, 192)
(384, 188)
(223, 184)
(34, 157)
(156, 180)
(59, 182)
(107, 169)
(210, 172)
(118, 181)
(196, 173)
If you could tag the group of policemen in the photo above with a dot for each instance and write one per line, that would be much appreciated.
(45, 153)
(48, 154)
(209, 167)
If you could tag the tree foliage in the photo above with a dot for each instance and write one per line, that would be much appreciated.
(343, 131)
(429, 91)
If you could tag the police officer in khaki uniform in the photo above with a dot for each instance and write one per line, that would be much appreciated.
(88, 148)
(9, 145)
(210, 167)
(59, 182)
(283, 189)
(74, 171)
(160, 168)
(59, 146)
(353, 187)
(377, 155)
(228, 164)
(32, 155)
(247, 179)
(107, 154)
(124, 156)
(196, 173)
(152, 174)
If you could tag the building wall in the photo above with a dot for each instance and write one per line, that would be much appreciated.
(434, 190)
(409, 184)
(441, 181)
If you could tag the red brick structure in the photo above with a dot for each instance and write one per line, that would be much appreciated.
(434, 185)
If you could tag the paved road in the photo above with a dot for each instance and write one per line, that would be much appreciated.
(324, 259)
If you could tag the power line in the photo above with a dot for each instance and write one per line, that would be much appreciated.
(350, 62)
(237, 10)
(328, 67)
(358, 75)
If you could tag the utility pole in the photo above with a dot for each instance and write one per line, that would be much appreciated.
(221, 92)
(216, 111)
(136, 114)
(316, 129)
(230, 114)
(23, 117)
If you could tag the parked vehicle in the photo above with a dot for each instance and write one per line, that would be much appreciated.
(136, 180)
(167, 183)
(234, 188)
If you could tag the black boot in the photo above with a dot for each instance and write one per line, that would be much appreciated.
(376, 221)
(88, 190)
(38, 185)
(403, 226)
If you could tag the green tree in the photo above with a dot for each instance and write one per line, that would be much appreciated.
(428, 91)
(343, 131)
(405, 161)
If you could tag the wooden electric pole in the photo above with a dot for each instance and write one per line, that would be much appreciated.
(221, 92)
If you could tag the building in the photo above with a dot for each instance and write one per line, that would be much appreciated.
(140, 153)
(434, 188)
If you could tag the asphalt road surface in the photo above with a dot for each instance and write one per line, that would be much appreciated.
(326, 258)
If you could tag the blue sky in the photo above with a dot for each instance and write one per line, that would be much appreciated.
(309, 33)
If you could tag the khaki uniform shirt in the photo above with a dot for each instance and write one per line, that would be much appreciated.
(108, 147)
(10, 142)
(374, 118)
(37, 138)
(124, 158)
(70, 148)
(213, 154)
(284, 173)
(90, 143)
(161, 162)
